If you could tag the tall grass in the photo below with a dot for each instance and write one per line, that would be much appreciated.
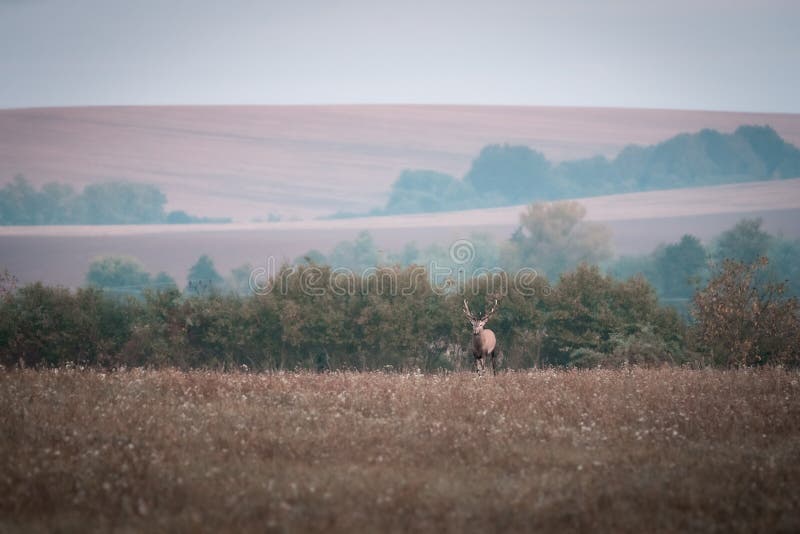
(629, 450)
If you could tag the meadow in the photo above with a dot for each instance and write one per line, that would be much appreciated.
(627, 450)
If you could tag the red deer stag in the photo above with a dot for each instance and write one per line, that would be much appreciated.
(483, 340)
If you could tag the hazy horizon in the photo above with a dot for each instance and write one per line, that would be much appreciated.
(707, 55)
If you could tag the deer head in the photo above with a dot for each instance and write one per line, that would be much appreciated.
(478, 322)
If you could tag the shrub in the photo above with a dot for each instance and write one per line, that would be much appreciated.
(51, 326)
(743, 319)
(364, 325)
(589, 310)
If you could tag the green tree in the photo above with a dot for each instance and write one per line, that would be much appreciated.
(594, 319)
(587, 177)
(680, 267)
(554, 238)
(359, 254)
(18, 202)
(781, 159)
(124, 275)
(687, 160)
(120, 203)
(121, 273)
(505, 174)
(239, 280)
(746, 242)
(54, 204)
(203, 277)
(429, 191)
(163, 282)
(625, 267)
(51, 326)
(409, 255)
(784, 259)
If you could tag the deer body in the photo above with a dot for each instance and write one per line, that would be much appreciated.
(483, 339)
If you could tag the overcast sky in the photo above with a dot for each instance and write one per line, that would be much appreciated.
(679, 54)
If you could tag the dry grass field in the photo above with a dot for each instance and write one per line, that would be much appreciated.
(635, 450)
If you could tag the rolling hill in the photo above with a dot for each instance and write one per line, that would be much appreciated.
(306, 161)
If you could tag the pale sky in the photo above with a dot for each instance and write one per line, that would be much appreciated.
(675, 54)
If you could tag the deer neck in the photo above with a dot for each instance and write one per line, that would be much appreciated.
(477, 338)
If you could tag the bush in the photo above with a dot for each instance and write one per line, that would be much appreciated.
(50, 326)
(368, 323)
(743, 319)
(589, 310)
(644, 348)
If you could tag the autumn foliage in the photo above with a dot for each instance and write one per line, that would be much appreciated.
(744, 320)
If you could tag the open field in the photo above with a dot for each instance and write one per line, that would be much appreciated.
(666, 450)
(639, 222)
(247, 161)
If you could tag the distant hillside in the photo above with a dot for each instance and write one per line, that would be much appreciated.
(503, 175)
(639, 222)
(249, 162)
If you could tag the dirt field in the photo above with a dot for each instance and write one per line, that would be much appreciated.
(245, 162)
(665, 450)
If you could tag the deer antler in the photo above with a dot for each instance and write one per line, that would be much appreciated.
(491, 312)
(466, 310)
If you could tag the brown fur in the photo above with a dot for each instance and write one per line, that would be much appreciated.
(484, 341)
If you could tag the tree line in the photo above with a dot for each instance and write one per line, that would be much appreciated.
(106, 203)
(677, 270)
(585, 319)
(390, 311)
(551, 239)
(554, 238)
(507, 174)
